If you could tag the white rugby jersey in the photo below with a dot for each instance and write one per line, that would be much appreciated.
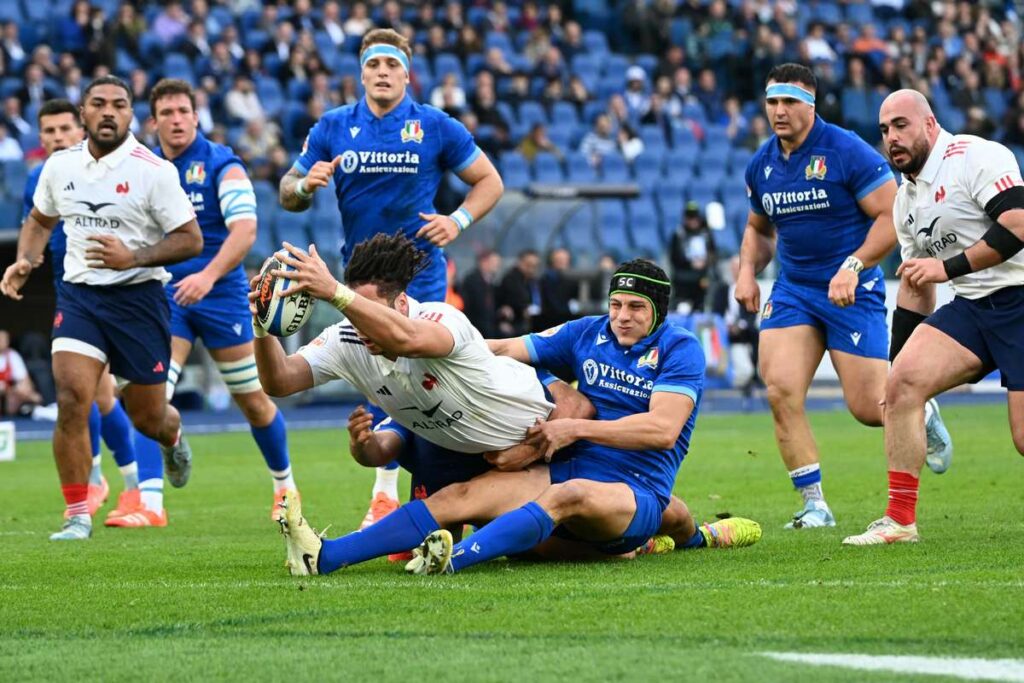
(471, 401)
(129, 193)
(943, 212)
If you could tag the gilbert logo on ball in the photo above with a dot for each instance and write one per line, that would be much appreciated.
(279, 316)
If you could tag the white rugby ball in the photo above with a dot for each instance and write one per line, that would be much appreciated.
(279, 316)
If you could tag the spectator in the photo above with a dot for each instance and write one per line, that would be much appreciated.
(599, 142)
(709, 94)
(138, 81)
(496, 63)
(13, 51)
(170, 25)
(36, 90)
(331, 23)
(734, 120)
(485, 104)
(499, 142)
(302, 17)
(658, 115)
(468, 44)
(557, 293)
(682, 88)
(16, 389)
(536, 141)
(197, 43)
(636, 97)
(480, 292)
(126, 30)
(42, 56)
(692, 255)
(518, 89)
(816, 45)
(203, 111)
(551, 65)
(454, 20)
(358, 21)
(241, 101)
(869, 45)
(673, 59)
(571, 42)
(449, 95)
(578, 93)
(10, 150)
(742, 331)
(519, 295)
(970, 94)
(436, 44)
(284, 38)
(630, 144)
(220, 64)
(554, 92)
(72, 85)
(258, 140)
(230, 38)
(13, 119)
(348, 93)
(978, 123)
(72, 31)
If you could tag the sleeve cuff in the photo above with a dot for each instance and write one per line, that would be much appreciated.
(676, 389)
(874, 185)
(469, 160)
(298, 166)
(530, 347)
(545, 377)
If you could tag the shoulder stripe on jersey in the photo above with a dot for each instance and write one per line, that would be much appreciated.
(149, 159)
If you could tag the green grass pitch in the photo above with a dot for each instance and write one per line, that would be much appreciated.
(208, 598)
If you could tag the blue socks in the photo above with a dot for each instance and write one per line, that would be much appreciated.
(393, 465)
(94, 430)
(403, 529)
(696, 541)
(119, 435)
(512, 533)
(807, 480)
(273, 443)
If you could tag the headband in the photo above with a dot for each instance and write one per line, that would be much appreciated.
(655, 291)
(789, 90)
(384, 50)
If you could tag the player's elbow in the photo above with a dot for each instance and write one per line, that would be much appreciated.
(275, 386)
(192, 243)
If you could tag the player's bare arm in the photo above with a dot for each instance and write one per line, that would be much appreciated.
(880, 240)
(657, 429)
(370, 448)
(32, 239)
(241, 236)
(513, 347)
(296, 191)
(180, 244)
(756, 252)
(396, 334)
(485, 191)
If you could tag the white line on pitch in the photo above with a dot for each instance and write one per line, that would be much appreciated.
(968, 669)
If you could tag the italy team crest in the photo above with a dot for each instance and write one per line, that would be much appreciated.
(648, 360)
(816, 169)
(196, 173)
(412, 132)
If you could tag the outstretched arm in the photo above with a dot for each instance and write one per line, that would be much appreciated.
(32, 239)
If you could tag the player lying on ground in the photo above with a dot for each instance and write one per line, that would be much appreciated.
(607, 491)
(960, 218)
(125, 216)
(820, 200)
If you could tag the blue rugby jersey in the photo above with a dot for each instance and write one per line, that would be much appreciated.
(619, 381)
(812, 200)
(390, 167)
(201, 168)
(58, 240)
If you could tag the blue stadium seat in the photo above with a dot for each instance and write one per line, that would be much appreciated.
(346, 64)
(726, 241)
(648, 176)
(591, 111)
(498, 40)
(615, 235)
(681, 160)
(679, 31)
(578, 234)
(595, 42)
(515, 172)
(739, 159)
(614, 169)
(15, 174)
(11, 11)
(712, 160)
(547, 168)
(648, 62)
(561, 135)
(564, 113)
(701, 193)
(176, 65)
(271, 96)
(446, 63)
(265, 243)
(615, 65)
(293, 228)
(579, 169)
(644, 226)
(670, 208)
(613, 208)
(859, 13)
(995, 103)
(507, 113)
(255, 39)
(532, 112)
(326, 231)
(653, 136)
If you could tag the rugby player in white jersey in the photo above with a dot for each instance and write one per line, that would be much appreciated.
(125, 216)
(959, 217)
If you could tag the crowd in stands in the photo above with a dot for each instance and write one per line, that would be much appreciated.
(661, 93)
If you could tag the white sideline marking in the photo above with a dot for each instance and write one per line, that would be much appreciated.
(969, 669)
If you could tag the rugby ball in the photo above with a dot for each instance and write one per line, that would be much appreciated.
(280, 317)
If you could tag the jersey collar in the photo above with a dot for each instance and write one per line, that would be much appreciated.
(114, 158)
(188, 151)
(365, 113)
(931, 167)
(817, 130)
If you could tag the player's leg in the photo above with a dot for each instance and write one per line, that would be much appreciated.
(479, 500)
(99, 490)
(1015, 406)
(930, 363)
(789, 357)
(237, 365)
(119, 435)
(678, 524)
(863, 382)
(75, 376)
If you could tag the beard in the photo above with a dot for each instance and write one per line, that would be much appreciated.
(107, 145)
(917, 156)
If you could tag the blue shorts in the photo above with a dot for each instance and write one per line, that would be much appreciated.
(221, 319)
(432, 467)
(127, 326)
(646, 521)
(859, 330)
(992, 328)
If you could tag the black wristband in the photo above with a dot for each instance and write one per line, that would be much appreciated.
(957, 265)
(1003, 241)
(903, 323)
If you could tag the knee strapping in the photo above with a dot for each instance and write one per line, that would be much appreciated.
(241, 376)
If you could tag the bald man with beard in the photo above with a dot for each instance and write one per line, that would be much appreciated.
(959, 217)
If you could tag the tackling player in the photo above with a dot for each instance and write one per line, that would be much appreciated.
(125, 216)
(60, 128)
(960, 218)
(825, 196)
(207, 294)
(387, 155)
(644, 378)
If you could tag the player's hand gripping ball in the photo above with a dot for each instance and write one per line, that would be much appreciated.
(280, 316)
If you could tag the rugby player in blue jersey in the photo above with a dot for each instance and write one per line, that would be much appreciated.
(387, 155)
(60, 128)
(208, 294)
(821, 201)
(604, 484)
